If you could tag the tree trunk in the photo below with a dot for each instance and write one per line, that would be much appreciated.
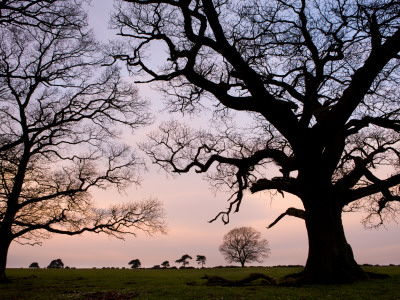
(4, 246)
(330, 257)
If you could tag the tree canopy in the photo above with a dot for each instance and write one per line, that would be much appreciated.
(34, 265)
(42, 14)
(135, 263)
(56, 264)
(165, 264)
(201, 259)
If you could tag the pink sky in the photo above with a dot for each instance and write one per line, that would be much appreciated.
(189, 204)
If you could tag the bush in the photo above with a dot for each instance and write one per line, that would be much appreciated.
(56, 264)
(34, 265)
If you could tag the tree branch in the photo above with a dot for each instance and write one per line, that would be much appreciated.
(294, 212)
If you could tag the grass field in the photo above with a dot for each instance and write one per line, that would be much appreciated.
(172, 284)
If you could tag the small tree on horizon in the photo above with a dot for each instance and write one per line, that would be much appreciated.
(56, 264)
(165, 264)
(135, 263)
(244, 244)
(201, 259)
(34, 265)
(183, 260)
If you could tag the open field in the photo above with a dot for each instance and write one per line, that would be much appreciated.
(172, 284)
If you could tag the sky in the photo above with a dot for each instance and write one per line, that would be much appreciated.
(189, 204)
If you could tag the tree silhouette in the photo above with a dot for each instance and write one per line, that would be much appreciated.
(43, 14)
(135, 263)
(56, 264)
(315, 82)
(244, 244)
(201, 259)
(183, 260)
(59, 114)
(165, 264)
(34, 265)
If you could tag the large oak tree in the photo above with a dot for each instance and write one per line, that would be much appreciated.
(59, 112)
(320, 80)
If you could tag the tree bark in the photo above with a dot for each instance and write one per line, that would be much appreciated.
(330, 257)
(4, 246)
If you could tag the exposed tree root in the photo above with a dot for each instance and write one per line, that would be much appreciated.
(309, 278)
(296, 279)
(5, 280)
(220, 281)
(111, 295)
(373, 275)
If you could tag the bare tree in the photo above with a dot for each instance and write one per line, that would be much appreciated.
(319, 82)
(244, 245)
(59, 139)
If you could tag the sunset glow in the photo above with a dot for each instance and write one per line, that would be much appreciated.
(190, 203)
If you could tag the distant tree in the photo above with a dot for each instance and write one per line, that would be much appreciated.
(56, 264)
(135, 263)
(165, 264)
(201, 259)
(244, 244)
(61, 114)
(183, 260)
(34, 265)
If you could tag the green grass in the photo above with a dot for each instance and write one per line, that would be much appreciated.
(171, 284)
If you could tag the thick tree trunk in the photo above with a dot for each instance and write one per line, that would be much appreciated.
(330, 257)
(4, 246)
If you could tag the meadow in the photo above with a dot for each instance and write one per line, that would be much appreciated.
(100, 284)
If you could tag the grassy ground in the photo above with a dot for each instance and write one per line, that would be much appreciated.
(98, 284)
